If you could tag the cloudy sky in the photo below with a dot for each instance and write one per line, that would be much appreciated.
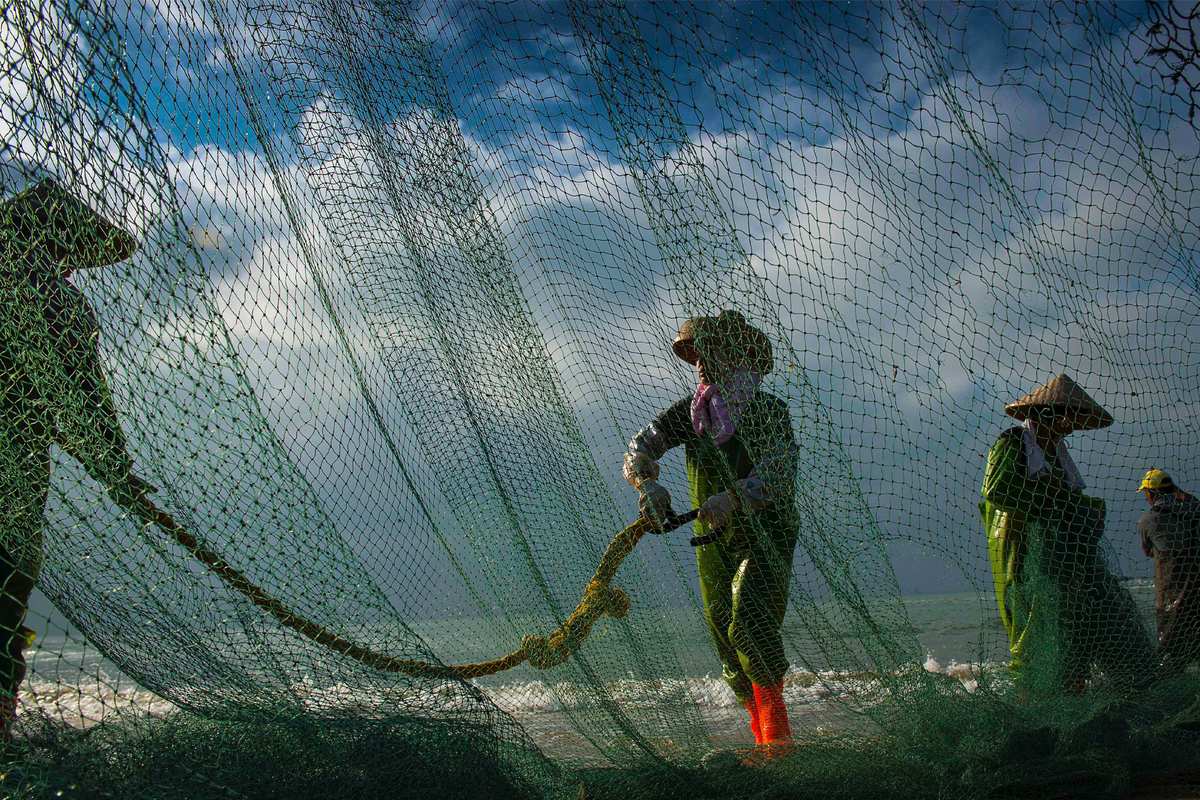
(408, 280)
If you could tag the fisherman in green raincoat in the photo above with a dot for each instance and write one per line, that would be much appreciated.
(740, 456)
(1061, 607)
(52, 390)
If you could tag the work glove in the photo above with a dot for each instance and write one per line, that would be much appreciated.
(717, 510)
(639, 467)
(750, 493)
(655, 503)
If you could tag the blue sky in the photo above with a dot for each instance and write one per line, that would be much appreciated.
(931, 210)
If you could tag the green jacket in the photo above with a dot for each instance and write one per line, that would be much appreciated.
(1025, 520)
(763, 447)
(1055, 594)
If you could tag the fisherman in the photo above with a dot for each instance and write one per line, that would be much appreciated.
(1170, 532)
(52, 391)
(740, 458)
(1061, 607)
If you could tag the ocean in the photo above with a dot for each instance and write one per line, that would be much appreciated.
(958, 635)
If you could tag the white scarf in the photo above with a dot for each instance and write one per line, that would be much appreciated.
(1035, 459)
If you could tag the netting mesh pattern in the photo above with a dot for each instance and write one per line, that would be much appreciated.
(333, 332)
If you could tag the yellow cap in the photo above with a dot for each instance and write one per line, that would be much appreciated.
(1156, 479)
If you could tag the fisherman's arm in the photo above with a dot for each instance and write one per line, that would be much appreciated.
(669, 429)
(1147, 531)
(89, 427)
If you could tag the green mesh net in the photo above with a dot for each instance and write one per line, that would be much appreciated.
(337, 336)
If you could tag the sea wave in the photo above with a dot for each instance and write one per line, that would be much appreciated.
(88, 702)
(800, 688)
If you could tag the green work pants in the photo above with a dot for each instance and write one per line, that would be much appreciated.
(745, 595)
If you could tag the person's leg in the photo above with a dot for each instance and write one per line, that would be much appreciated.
(16, 584)
(1079, 645)
(1017, 625)
(760, 593)
(1057, 644)
(716, 567)
(1178, 638)
(24, 484)
(1007, 556)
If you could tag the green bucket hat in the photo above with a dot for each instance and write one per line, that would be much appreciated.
(726, 337)
(49, 216)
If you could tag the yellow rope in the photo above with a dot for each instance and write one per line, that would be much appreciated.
(599, 598)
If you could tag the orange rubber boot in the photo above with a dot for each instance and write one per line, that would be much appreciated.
(772, 714)
(751, 706)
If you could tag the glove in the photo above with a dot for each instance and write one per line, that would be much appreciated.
(750, 493)
(639, 467)
(655, 502)
(716, 511)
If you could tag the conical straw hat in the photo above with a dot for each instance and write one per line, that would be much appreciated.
(47, 214)
(1066, 398)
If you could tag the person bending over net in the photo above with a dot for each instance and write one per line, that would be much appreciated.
(740, 459)
(1061, 607)
(1170, 533)
(52, 390)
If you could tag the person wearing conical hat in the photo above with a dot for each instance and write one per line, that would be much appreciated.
(1061, 607)
(52, 390)
(1170, 534)
(740, 456)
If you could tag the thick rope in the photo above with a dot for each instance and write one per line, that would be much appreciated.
(542, 652)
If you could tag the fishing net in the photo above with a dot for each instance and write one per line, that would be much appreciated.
(332, 332)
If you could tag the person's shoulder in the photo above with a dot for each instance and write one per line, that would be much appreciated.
(677, 416)
(1149, 519)
(680, 408)
(1190, 506)
(685, 401)
(1009, 434)
(770, 406)
(1010, 437)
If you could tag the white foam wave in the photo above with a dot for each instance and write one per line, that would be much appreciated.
(84, 704)
(800, 688)
(96, 698)
(968, 673)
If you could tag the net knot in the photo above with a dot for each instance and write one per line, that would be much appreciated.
(539, 652)
(600, 598)
(614, 602)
